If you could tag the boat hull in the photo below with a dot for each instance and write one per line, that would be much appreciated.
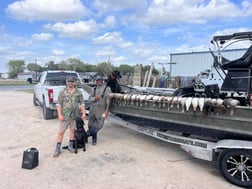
(216, 124)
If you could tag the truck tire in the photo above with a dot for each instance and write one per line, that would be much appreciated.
(35, 103)
(47, 113)
(236, 166)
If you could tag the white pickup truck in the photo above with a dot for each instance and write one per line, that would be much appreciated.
(47, 89)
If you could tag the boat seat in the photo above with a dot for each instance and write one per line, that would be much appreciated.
(244, 62)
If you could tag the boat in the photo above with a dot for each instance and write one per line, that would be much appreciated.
(212, 111)
(208, 121)
(213, 119)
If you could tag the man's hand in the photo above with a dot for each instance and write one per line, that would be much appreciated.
(97, 97)
(60, 117)
(83, 117)
(105, 114)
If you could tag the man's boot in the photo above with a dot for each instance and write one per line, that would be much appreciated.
(94, 139)
(70, 146)
(88, 135)
(57, 150)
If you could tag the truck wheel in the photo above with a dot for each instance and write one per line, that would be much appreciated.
(35, 103)
(47, 113)
(236, 166)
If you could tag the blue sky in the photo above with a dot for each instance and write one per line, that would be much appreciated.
(122, 31)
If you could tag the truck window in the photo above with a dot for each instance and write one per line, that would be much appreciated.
(58, 78)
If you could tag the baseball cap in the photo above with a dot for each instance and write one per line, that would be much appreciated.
(98, 78)
(70, 78)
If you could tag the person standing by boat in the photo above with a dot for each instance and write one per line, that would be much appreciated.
(99, 107)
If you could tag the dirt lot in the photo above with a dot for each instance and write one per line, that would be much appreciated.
(122, 158)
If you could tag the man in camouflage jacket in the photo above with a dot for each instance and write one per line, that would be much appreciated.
(70, 106)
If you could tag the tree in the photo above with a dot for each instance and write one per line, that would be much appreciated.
(91, 68)
(76, 65)
(34, 67)
(15, 67)
(63, 65)
(104, 68)
(126, 69)
(52, 66)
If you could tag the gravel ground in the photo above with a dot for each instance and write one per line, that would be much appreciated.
(122, 158)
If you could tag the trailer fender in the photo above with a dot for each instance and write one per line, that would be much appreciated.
(232, 144)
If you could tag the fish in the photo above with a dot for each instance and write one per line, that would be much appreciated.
(142, 98)
(188, 103)
(195, 102)
(155, 100)
(208, 105)
(179, 101)
(133, 98)
(148, 98)
(174, 101)
(118, 97)
(168, 99)
(214, 101)
(125, 98)
(161, 101)
(128, 98)
(138, 100)
(182, 102)
(219, 102)
(231, 103)
(201, 103)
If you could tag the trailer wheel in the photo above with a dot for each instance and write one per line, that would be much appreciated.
(236, 166)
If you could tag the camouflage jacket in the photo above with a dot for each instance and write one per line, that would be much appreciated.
(70, 103)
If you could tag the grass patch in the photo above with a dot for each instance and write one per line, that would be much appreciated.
(31, 91)
(12, 83)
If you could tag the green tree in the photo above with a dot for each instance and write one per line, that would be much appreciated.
(76, 65)
(63, 65)
(91, 68)
(126, 69)
(104, 68)
(34, 67)
(51, 65)
(15, 67)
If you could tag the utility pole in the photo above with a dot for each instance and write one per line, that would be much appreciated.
(36, 69)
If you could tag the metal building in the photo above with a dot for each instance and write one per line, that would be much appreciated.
(192, 63)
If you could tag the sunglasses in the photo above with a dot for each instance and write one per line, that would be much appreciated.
(70, 81)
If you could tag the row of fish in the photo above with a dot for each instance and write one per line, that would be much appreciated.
(184, 102)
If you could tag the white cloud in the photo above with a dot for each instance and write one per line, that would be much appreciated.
(109, 22)
(193, 11)
(118, 60)
(105, 52)
(57, 52)
(79, 29)
(143, 52)
(51, 10)
(116, 5)
(247, 7)
(113, 38)
(42, 37)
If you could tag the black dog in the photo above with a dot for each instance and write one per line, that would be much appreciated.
(80, 136)
(112, 81)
